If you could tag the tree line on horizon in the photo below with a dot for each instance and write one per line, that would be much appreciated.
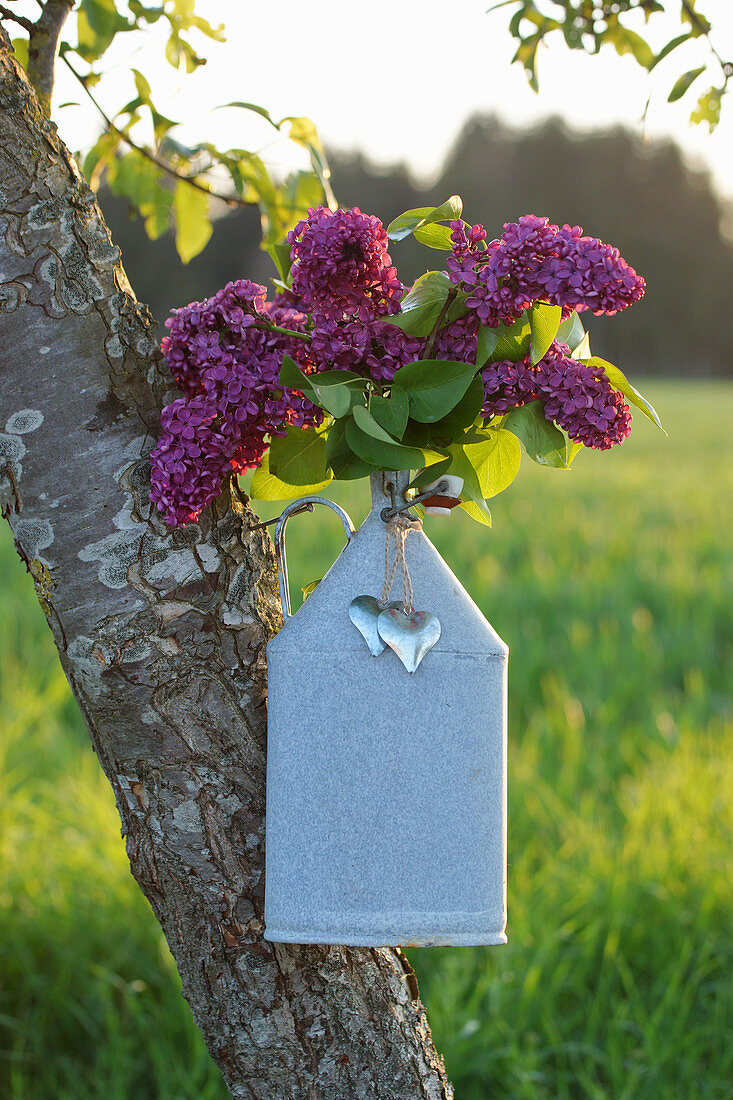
(640, 196)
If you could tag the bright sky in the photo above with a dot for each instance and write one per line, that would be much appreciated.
(397, 79)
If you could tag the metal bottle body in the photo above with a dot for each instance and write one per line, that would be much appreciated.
(386, 792)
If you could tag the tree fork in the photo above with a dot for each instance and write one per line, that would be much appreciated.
(162, 636)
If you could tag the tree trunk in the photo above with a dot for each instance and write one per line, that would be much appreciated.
(162, 636)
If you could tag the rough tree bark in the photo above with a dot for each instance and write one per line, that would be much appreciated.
(162, 636)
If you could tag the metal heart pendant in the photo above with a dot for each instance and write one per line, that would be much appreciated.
(410, 636)
(364, 612)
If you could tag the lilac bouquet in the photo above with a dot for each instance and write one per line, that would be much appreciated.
(347, 371)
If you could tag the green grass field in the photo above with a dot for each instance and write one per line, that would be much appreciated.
(611, 585)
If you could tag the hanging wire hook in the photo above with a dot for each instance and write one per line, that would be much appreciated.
(304, 505)
(397, 509)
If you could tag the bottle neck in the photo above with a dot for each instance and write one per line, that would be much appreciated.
(388, 488)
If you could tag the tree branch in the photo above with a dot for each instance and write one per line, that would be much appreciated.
(230, 200)
(27, 24)
(43, 46)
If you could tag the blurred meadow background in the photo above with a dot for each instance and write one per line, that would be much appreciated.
(611, 584)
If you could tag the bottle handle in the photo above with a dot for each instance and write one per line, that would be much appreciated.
(303, 504)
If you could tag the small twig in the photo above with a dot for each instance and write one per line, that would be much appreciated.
(27, 24)
(452, 295)
(285, 331)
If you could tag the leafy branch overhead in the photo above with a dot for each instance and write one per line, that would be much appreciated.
(589, 25)
(171, 185)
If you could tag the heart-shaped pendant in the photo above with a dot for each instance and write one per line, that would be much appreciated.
(410, 636)
(364, 612)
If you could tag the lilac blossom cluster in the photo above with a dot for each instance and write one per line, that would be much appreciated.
(226, 353)
(341, 265)
(226, 357)
(578, 397)
(374, 349)
(536, 261)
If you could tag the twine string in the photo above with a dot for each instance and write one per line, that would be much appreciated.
(398, 528)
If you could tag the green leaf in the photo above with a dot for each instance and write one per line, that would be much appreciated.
(543, 441)
(157, 213)
(371, 443)
(699, 24)
(416, 434)
(265, 486)
(97, 23)
(672, 45)
(280, 256)
(337, 391)
(527, 55)
(421, 307)
(346, 465)
(334, 390)
(570, 331)
(462, 466)
(573, 447)
(582, 351)
(544, 321)
(513, 341)
(299, 457)
(20, 49)
(496, 461)
(431, 473)
(99, 157)
(309, 589)
(682, 83)
(391, 412)
(411, 220)
(143, 88)
(134, 177)
(435, 236)
(250, 107)
(434, 386)
(448, 428)
(292, 376)
(302, 131)
(626, 41)
(193, 223)
(708, 108)
(487, 340)
(620, 382)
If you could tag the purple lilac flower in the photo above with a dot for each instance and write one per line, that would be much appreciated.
(200, 333)
(374, 348)
(190, 460)
(339, 345)
(341, 265)
(578, 397)
(584, 273)
(229, 369)
(457, 340)
(534, 260)
(508, 385)
(391, 348)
